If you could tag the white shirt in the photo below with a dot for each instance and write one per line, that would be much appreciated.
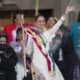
(14, 34)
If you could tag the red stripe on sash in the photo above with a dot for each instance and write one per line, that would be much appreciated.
(40, 48)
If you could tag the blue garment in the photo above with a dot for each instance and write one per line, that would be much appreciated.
(19, 68)
(18, 48)
(74, 34)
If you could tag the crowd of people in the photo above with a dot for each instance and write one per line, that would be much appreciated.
(51, 54)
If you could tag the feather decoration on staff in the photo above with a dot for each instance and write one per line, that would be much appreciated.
(24, 48)
(66, 20)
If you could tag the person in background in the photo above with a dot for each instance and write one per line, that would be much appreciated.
(63, 53)
(51, 21)
(8, 59)
(75, 34)
(16, 24)
(18, 47)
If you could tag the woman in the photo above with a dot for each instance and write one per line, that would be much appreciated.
(41, 64)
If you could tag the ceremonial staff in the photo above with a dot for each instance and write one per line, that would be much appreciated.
(24, 48)
(66, 20)
(37, 7)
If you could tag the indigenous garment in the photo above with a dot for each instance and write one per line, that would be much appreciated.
(38, 60)
(77, 69)
(36, 75)
(20, 64)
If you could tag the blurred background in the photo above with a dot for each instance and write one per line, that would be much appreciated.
(27, 7)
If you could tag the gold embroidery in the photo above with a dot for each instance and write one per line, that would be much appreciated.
(52, 73)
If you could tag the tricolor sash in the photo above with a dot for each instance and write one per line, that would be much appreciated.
(50, 61)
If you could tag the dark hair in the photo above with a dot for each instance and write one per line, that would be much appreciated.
(64, 29)
(51, 17)
(19, 30)
(5, 36)
(15, 15)
(79, 17)
(38, 17)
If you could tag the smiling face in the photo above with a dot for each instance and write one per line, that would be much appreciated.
(50, 22)
(40, 22)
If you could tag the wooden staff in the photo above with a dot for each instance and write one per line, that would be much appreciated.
(24, 48)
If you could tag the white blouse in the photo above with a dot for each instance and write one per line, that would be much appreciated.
(38, 60)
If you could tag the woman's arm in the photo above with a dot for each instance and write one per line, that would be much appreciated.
(61, 20)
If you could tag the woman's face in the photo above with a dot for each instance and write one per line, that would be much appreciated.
(40, 22)
(51, 22)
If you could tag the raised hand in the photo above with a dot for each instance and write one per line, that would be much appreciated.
(69, 9)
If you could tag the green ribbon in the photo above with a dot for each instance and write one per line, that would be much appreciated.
(50, 54)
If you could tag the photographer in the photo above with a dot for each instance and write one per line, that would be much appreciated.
(8, 59)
